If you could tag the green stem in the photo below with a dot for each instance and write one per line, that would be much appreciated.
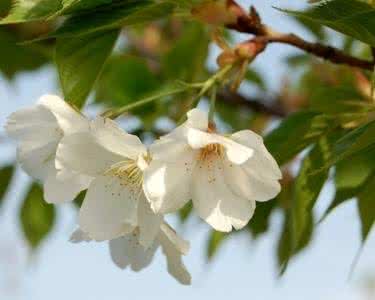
(212, 104)
(113, 114)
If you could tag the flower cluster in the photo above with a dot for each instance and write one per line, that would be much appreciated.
(131, 187)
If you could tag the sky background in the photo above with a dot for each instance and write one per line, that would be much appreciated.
(242, 269)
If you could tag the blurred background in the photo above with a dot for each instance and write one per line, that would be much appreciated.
(42, 264)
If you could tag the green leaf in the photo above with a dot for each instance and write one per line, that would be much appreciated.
(79, 62)
(191, 47)
(366, 207)
(314, 28)
(6, 174)
(15, 58)
(350, 176)
(337, 100)
(74, 6)
(307, 189)
(37, 217)
(113, 16)
(215, 240)
(285, 249)
(294, 134)
(5, 6)
(360, 140)
(350, 17)
(185, 212)
(79, 199)
(259, 223)
(31, 10)
(125, 79)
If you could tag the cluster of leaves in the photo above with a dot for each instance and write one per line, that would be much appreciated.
(329, 110)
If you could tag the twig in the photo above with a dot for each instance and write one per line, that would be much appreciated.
(251, 23)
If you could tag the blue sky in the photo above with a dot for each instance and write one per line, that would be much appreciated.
(243, 269)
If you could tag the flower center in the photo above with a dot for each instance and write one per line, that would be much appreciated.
(211, 151)
(128, 172)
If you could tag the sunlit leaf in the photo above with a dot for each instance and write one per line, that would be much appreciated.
(79, 62)
(351, 17)
(113, 16)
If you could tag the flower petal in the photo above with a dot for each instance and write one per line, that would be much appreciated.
(148, 222)
(37, 160)
(38, 134)
(250, 185)
(68, 118)
(35, 123)
(109, 209)
(57, 190)
(197, 119)
(82, 153)
(235, 152)
(78, 236)
(110, 136)
(215, 201)
(167, 185)
(171, 245)
(262, 161)
(127, 251)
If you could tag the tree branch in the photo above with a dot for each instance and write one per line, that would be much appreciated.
(254, 104)
(251, 23)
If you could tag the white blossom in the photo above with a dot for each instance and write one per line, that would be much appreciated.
(127, 251)
(114, 204)
(39, 130)
(223, 175)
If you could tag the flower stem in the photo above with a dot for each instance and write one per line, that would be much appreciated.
(212, 104)
(115, 113)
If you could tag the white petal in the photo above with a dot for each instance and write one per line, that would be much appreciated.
(250, 185)
(167, 184)
(215, 201)
(78, 236)
(198, 119)
(171, 246)
(235, 152)
(148, 222)
(57, 190)
(109, 209)
(37, 160)
(114, 139)
(35, 123)
(127, 251)
(69, 119)
(81, 152)
(169, 149)
(262, 161)
(38, 134)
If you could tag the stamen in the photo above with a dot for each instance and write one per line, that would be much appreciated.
(210, 151)
(127, 171)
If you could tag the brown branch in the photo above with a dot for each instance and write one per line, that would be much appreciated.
(251, 23)
(254, 104)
